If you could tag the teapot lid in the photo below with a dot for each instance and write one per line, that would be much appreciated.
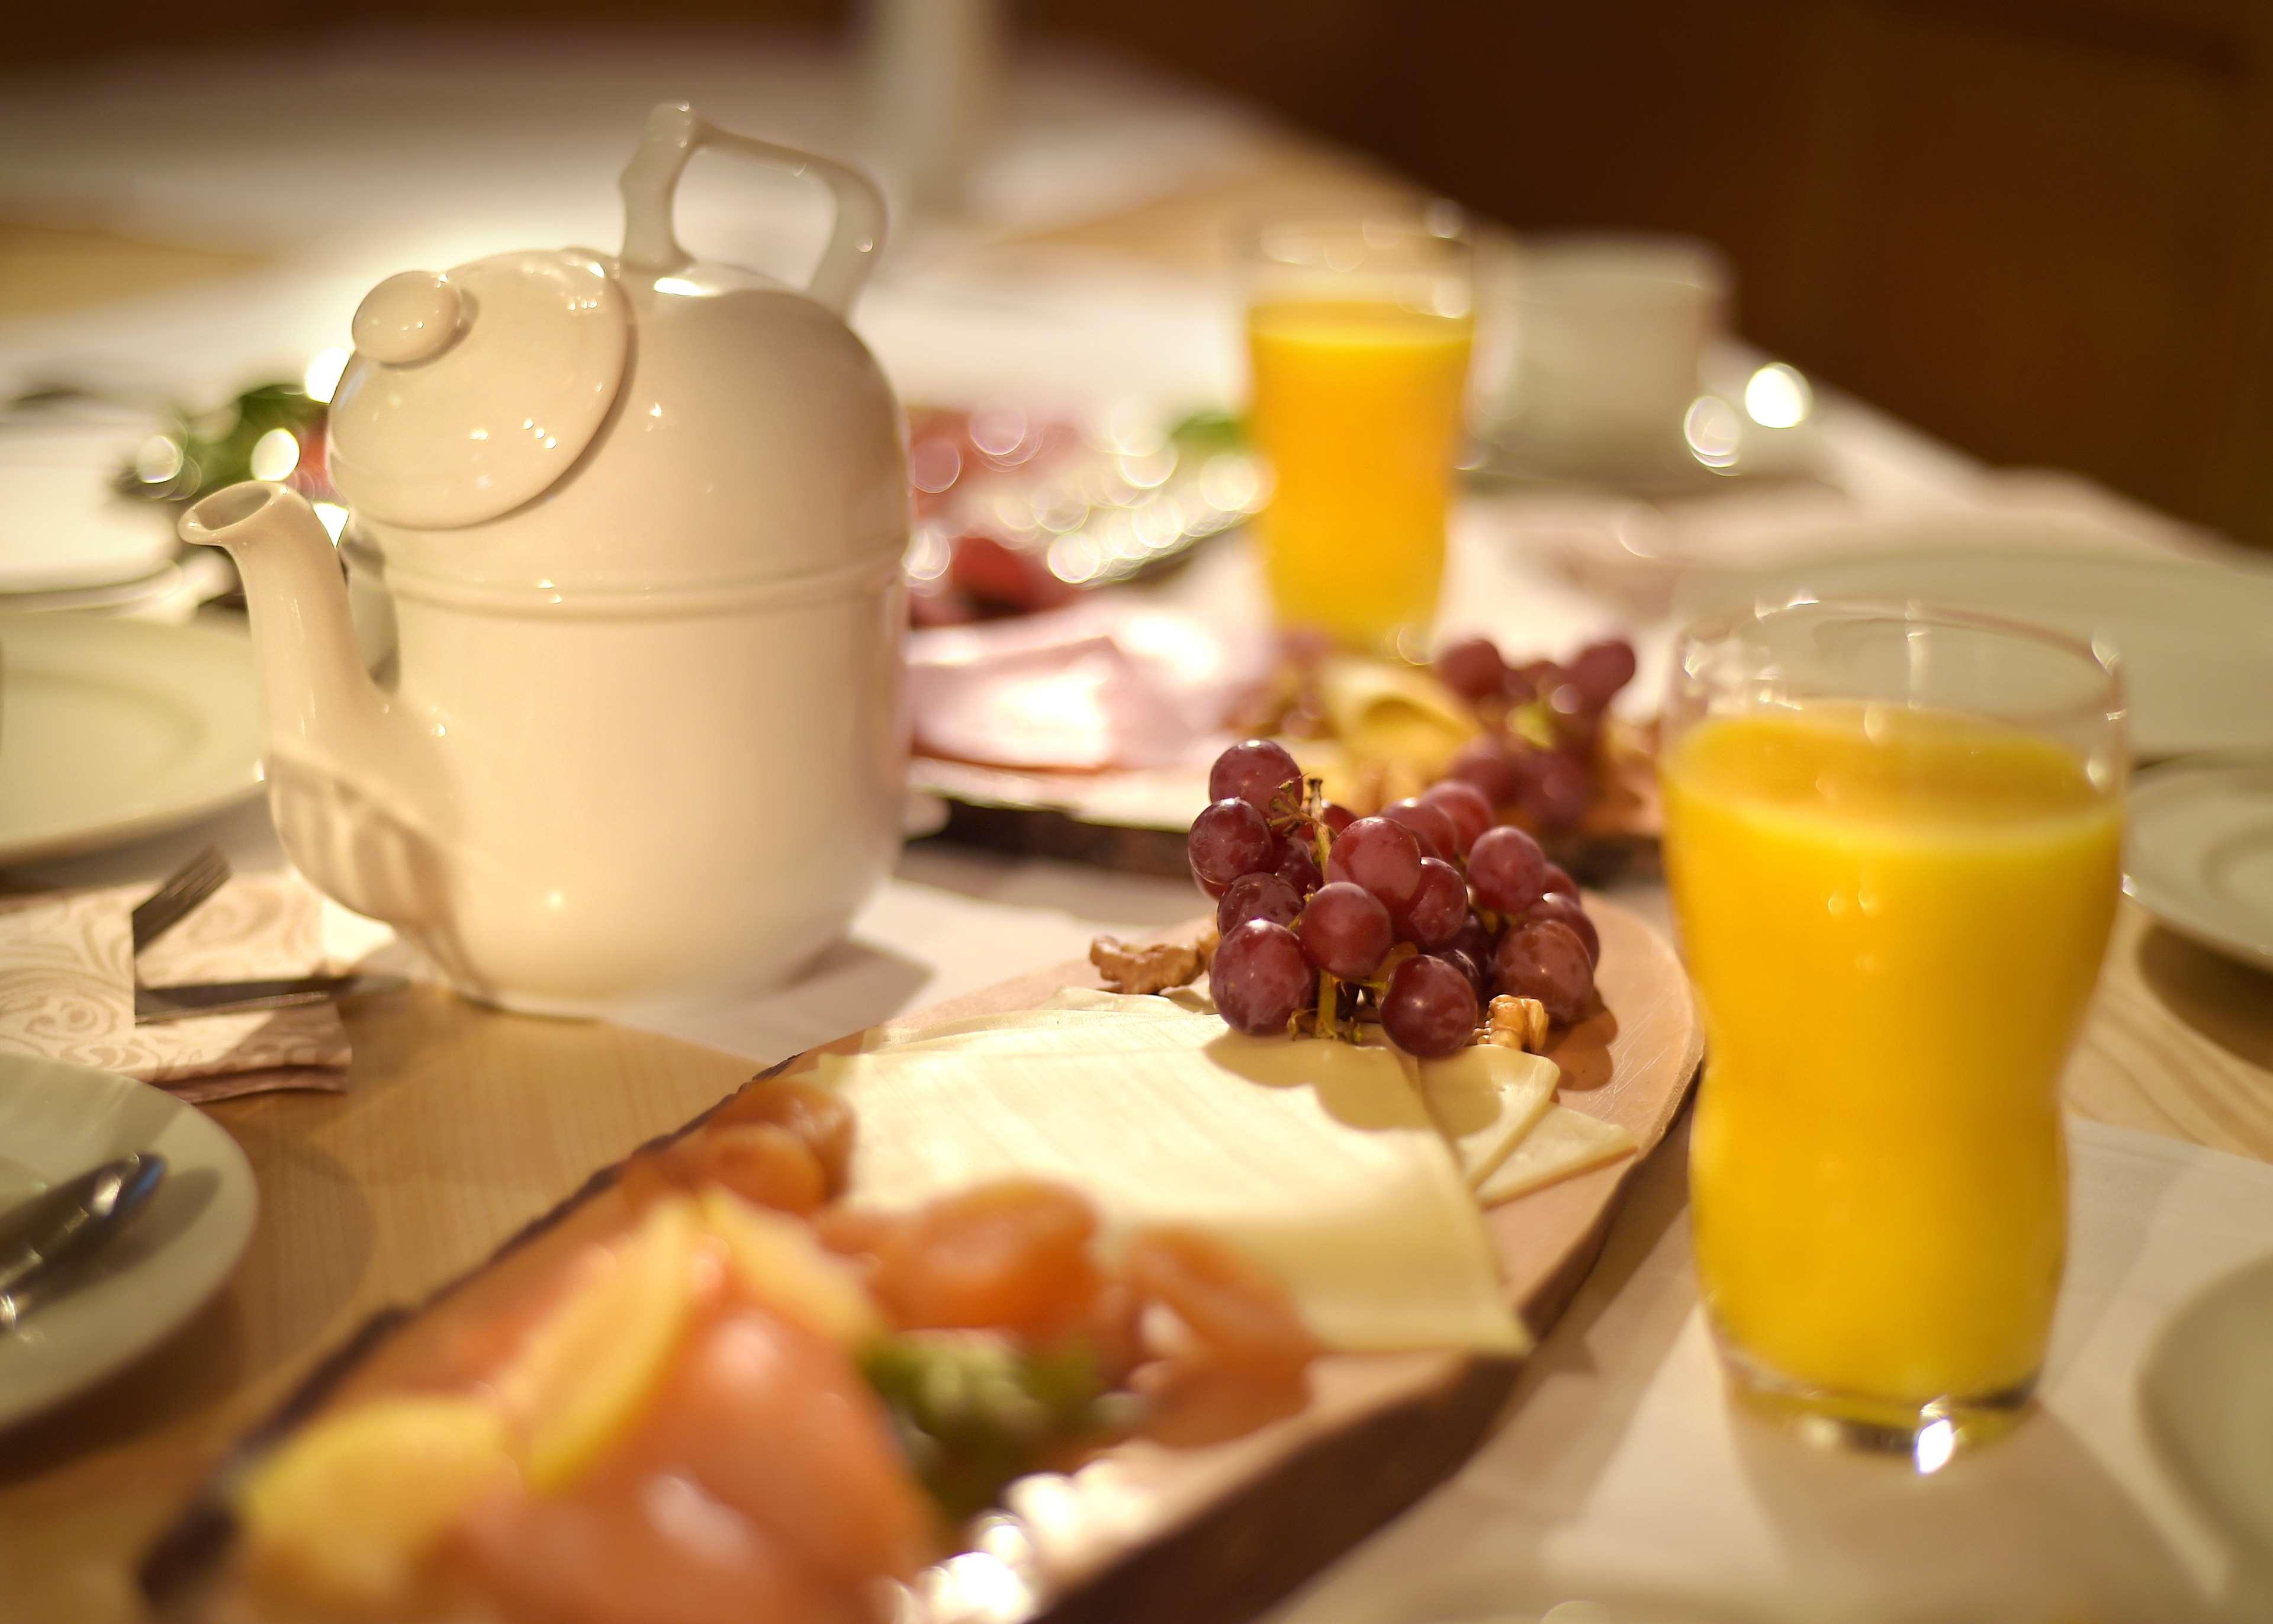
(472, 391)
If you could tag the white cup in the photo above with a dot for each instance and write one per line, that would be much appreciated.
(1607, 337)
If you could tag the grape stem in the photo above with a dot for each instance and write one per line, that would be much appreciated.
(1532, 724)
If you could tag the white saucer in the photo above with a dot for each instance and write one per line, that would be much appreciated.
(2207, 1389)
(57, 1119)
(2199, 851)
(110, 730)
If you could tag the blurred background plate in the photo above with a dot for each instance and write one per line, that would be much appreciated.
(2199, 851)
(2207, 1389)
(63, 527)
(57, 1120)
(2196, 638)
(110, 730)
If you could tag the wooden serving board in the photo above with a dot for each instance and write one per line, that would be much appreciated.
(1144, 1532)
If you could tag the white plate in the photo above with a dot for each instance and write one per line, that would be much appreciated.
(2207, 1389)
(2196, 638)
(113, 729)
(2198, 854)
(62, 526)
(58, 1120)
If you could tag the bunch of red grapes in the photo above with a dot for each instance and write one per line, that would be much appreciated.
(1478, 907)
(1544, 777)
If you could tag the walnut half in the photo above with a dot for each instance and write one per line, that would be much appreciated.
(1150, 967)
(1516, 1023)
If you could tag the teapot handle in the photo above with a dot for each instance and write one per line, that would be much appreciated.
(650, 182)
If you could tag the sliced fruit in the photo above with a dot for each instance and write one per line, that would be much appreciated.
(779, 1264)
(590, 1370)
(347, 1507)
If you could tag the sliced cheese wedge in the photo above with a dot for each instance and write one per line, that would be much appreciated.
(1394, 712)
(1566, 1141)
(1114, 1035)
(1485, 1099)
(1317, 1160)
(1144, 1006)
(1039, 1019)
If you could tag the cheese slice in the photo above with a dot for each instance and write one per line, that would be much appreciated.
(1017, 1020)
(1566, 1141)
(1315, 1159)
(1114, 1035)
(1485, 1099)
(1143, 1005)
(1382, 711)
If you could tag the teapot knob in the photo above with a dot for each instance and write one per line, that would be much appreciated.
(407, 317)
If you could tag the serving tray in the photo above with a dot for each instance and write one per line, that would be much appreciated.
(1144, 1532)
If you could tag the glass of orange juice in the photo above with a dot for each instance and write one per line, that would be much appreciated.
(1358, 335)
(1892, 838)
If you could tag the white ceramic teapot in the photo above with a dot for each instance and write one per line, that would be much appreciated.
(637, 523)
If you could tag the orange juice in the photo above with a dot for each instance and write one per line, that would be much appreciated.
(1357, 406)
(1893, 918)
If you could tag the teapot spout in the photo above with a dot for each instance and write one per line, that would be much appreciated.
(334, 741)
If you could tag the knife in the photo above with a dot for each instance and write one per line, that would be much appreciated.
(153, 1005)
(44, 1239)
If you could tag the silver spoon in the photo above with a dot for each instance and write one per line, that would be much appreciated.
(44, 1239)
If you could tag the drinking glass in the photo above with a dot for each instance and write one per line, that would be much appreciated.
(1359, 333)
(1892, 837)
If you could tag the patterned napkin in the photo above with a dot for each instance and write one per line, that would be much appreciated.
(67, 988)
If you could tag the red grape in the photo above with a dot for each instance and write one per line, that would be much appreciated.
(1466, 964)
(1488, 764)
(1558, 906)
(1229, 839)
(1346, 931)
(1476, 941)
(1337, 816)
(1555, 792)
(1600, 670)
(1558, 878)
(1260, 978)
(1379, 855)
(1431, 825)
(1256, 896)
(1544, 959)
(1298, 864)
(1433, 918)
(1430, 1008)
(1207, 885)
(1472, 668)
(1505, 866)
(1258, 771)
(1468, 808)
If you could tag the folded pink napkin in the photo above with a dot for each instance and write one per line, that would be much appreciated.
(67, 988)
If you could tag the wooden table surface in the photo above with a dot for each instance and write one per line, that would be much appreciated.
(461, 1123)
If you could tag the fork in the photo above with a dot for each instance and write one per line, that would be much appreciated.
(172, 902)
